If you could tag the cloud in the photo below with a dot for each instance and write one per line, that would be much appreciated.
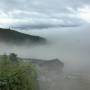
(41, 5)
(44, 12)
(34, 19)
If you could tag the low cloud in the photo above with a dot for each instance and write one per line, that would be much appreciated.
(33, 19)
(41, 13)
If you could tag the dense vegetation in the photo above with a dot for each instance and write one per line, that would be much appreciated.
(16, 75)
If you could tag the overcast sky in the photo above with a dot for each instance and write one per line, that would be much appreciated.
(45, 12)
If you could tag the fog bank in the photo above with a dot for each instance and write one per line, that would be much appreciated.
(71, 45)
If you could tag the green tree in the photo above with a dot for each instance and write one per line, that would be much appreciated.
(20, 76)
(13, 58)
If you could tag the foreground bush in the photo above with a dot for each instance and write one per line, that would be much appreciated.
(15, 75)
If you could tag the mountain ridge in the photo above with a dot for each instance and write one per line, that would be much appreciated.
(16, 37)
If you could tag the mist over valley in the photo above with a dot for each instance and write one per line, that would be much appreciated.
(70, 45)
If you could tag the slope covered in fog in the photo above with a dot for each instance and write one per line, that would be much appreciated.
(14, 37)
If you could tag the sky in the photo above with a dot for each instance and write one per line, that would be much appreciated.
(45, 13)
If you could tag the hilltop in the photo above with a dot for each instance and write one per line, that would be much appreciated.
(15, 37)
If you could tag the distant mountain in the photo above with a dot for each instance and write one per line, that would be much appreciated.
(43, 26)
(47, 63)
(15, 37)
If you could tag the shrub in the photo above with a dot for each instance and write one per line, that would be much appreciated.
(18, 76)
